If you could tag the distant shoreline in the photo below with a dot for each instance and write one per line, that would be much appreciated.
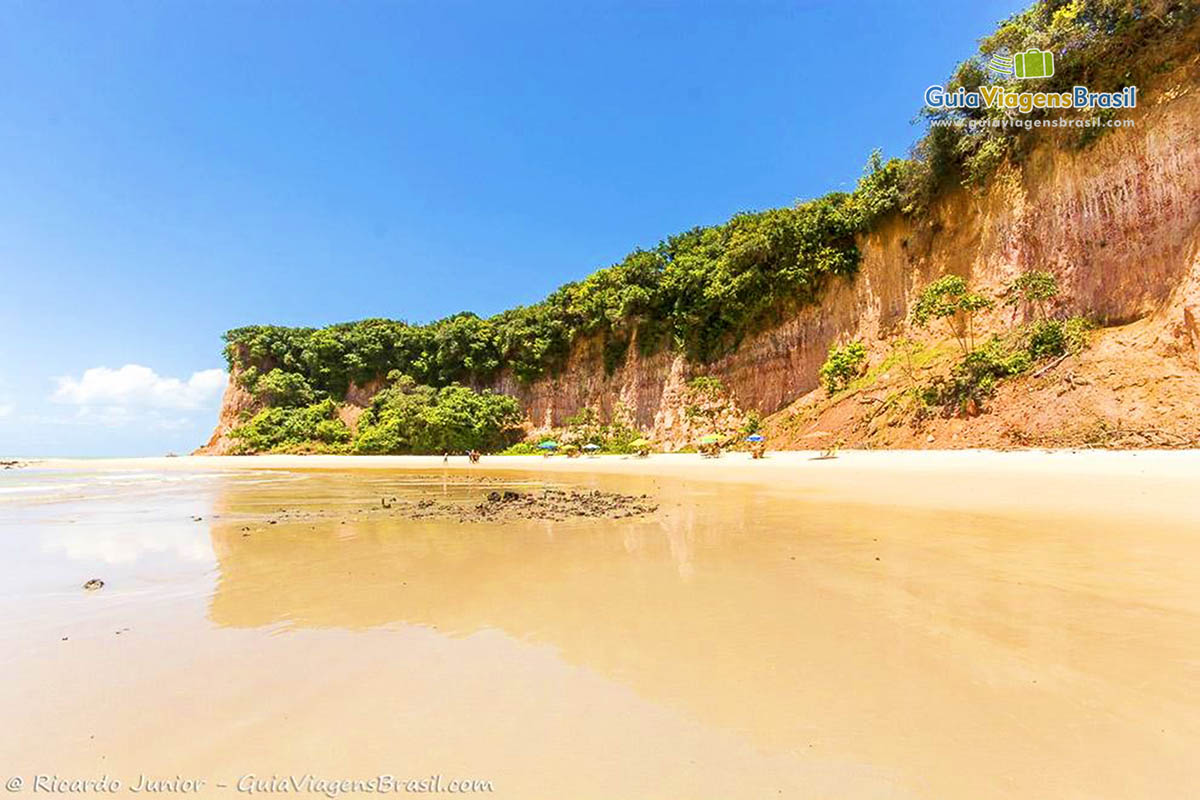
(860, 457)
(1136, 483)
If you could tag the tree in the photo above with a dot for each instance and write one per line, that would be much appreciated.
(409, 418)
(279, 388)
(842, 365)
(1035, 289)
(948, 298)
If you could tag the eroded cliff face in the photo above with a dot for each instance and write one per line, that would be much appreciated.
(1118, 222)
(235, 403)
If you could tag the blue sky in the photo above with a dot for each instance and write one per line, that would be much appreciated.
(171, 170)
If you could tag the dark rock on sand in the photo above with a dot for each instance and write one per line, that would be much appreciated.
(552, 504)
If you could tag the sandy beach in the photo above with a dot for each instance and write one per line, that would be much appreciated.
(1160, 479)
(880, 625)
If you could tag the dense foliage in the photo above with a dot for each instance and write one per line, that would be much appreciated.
(841, 365)
(292, 429)
(1106, 45)
(409, 418)
(701, 291)
(589, 428)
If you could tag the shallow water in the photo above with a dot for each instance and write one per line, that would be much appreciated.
(749, 640)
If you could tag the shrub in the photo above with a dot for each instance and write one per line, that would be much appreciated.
(842, 365)
(620, 438)
(332, 431)
(974, 378)
(410, 418)
(753, 423)
(248, 378)
(994, 360)
(948, 298)
(707, 386)
(1034, 288)
(521, 449)
(313, 427)
(1046, 338)
(279, 388)
(1049, 338)
(1077, 334)
(586, 427)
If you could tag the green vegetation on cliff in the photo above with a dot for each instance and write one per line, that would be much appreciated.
(292, 429)
(975, 377)
(407, 418)
(1106, 45)
(700, 292)
(402, 419)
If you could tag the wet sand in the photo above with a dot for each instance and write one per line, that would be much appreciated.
(879, 625)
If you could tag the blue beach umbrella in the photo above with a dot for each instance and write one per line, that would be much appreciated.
(551, 445)
(755, 437)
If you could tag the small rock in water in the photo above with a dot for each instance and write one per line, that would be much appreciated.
(94, 584)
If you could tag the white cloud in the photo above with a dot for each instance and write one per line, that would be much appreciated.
(126, 547)
(5, 409)
(134, 386)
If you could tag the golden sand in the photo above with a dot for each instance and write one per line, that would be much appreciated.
(883, 625)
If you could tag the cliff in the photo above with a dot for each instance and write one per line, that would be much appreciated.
(1118, 223)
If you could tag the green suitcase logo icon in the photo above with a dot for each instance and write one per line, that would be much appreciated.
(1034, 64)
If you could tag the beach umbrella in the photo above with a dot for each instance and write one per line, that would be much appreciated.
(711, 438)
(591, 446)
(755, 437)
(639, 443)
(570, 447)
(550, 445)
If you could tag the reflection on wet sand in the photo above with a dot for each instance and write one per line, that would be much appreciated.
(882, 652)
